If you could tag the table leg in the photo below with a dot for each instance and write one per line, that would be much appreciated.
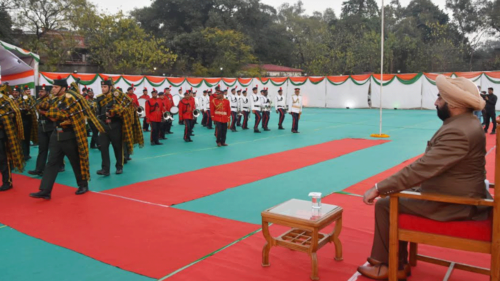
(335, 239)
(314, 263)
(268, 245)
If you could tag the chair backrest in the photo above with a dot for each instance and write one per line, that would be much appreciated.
(496, 203)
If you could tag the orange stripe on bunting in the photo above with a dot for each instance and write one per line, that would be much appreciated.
(361, 77)
(387, 77)
(282, 79)
(316, 79)
(433, 76)
(294, 79)
(493, 74)
(243, 80)
(212, 80)
(21, 75)
(229, 80)
(195, 81)
(172, 80)
(133, 78)
(468, 74)
(114, 78)
(337, 79)
(54, 75)
(406, 76)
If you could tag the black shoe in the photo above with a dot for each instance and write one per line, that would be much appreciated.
(6, 186)
(485, 131)
(119, 171)
(492, 133)
(210, 128)
(169, 133)
(163, 138)
(266, 129)
(93, 147)
(41, 195)
(103, 173)
(158, 143)
(35, 173)
(224, 144)
(256, 131)
(128, 159)
(281, 128)
(81, 190)
(233, 130)
(192, 135)
(27, 158)
(296, 132)
(62, 169)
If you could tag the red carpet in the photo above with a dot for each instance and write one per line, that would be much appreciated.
(147, 239)
(173, 189)
(242, 261)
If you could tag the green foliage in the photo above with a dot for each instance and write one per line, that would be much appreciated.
(118, 44)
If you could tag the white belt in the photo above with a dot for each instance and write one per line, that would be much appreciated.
(221, 113)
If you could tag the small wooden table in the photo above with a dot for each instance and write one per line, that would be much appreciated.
(304, 236)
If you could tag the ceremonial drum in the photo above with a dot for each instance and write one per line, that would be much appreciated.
(176, 99)
(174, 110)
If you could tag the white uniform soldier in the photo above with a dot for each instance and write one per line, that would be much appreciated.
(233, 102)
(296, 110)
(256, 108)
(245, 109)
(280, 107)
(203, 107)
(238, 94)
(266, 110)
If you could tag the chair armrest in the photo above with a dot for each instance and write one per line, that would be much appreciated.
(444, 198)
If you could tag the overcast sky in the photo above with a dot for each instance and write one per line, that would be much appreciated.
(310, 5)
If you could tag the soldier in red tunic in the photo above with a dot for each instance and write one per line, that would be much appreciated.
(154, 114)
(220, 110)
(169, 102)
(186, 108)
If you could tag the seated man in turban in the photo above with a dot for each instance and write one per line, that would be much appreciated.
(453, 164)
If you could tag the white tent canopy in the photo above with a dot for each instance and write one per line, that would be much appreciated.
(18, 66)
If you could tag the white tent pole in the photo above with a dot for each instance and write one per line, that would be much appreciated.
(381, 64)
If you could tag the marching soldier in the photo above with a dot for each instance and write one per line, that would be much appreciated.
(245, 109)
(221, 112)
(266, 110)
(163, 124)
(207, 108)
(196, 105)
(132, 111)
(111, 114)
(238, 92)
(11, 131)
(233, 101)
(181, 122)
(85, 92)
(169, 103)
(203, 102)
(45, 129)
(69, 139)
(280, 107)
(296, 110)
(145, 124)
(256, 108)
(186, 107)
(94, 141)
(26, 104)
(154, 116)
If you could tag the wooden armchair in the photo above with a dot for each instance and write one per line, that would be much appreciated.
(473, 236)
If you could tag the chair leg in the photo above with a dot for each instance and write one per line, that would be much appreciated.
(393, 239)
(413, 253)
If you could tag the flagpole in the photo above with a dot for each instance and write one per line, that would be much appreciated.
(380, 135)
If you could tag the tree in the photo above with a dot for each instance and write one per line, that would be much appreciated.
(5, 24)
(360, 8)
(118, 44)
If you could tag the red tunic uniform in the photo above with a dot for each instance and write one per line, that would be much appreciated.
(154, 110)
(146, 97)
(168, 102)
(186, 107)
(135, 101)
(220, 110)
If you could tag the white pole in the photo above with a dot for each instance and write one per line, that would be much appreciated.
(381, 64)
